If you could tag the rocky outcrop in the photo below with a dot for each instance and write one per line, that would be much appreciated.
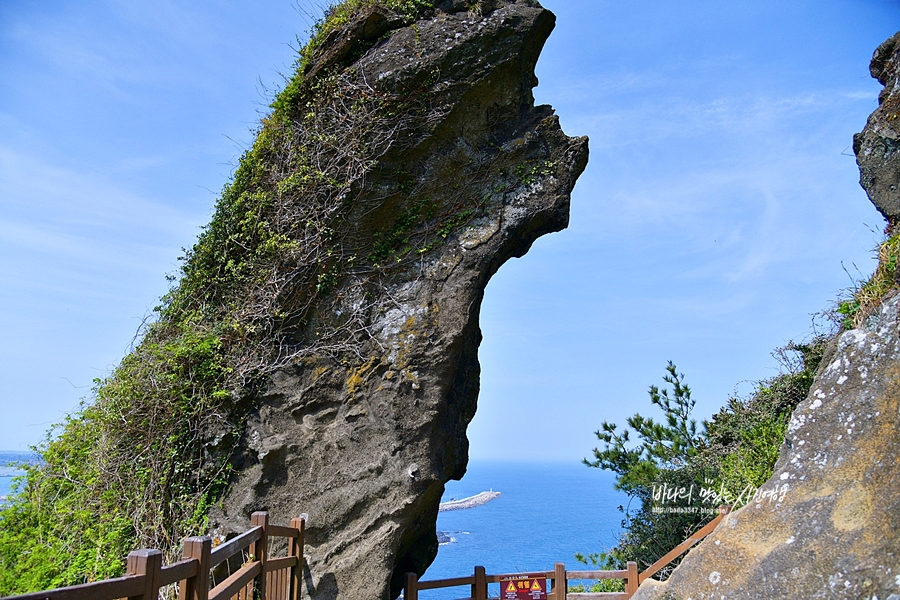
(363, 439)
(877, 146)
(827, 524)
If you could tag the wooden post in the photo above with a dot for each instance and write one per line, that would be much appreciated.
(479, 588)
(631, 584)
(560, 585)
(411, 591)
(196, 588)
(296, 549)
(260, 548)
(146, 563)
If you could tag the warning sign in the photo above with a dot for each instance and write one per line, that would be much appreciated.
(524, 587)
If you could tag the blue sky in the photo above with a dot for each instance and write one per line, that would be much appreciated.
(719, 211)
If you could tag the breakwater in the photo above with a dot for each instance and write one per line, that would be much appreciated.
(470, 502)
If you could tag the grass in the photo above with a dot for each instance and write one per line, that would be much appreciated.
(851, 312)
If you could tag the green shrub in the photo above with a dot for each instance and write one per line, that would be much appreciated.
(851, 312)
(732, 455)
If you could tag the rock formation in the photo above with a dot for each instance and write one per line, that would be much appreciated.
(877, 147)
(363, 439)
(828, 524)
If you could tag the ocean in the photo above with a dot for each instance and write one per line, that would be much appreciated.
(8, 470)
(545, 514)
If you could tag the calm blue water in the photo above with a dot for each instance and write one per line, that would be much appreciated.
(8, 470)
(546, 513)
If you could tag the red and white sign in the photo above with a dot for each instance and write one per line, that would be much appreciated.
(524, 587)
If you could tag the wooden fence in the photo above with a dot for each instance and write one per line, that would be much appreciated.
(258, 576)
(559, 577)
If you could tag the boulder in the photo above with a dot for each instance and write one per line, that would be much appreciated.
(827, 524)
(362, 438)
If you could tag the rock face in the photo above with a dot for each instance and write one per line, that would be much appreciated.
(363, 442)
(828, 525)
(877, 147)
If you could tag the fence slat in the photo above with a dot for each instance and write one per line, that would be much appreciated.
(560, 583)
(147, 563)
(282, 562)
(261, 519)
(295, 548)
(479, 586)
(199, 549)
(411, 589)
(281, 531)
(631, 584)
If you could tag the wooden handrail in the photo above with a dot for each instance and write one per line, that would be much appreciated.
(442, 583)
(145, 573)
(183, 569)
(239, 579)
(233, 546)
(684, 546)
(283, 562)
(108, 589)
(559, 576)
(280, 531)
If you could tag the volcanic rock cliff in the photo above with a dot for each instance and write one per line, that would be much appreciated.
(877, 147)
(829, 526)
(466, 174)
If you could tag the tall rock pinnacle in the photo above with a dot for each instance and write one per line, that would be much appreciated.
(363, 435)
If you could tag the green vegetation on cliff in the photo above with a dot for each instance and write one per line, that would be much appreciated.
(732, 455)
(724, 461)
(147, 455)
(866, 296)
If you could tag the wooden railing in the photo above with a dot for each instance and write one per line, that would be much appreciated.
(559, 577)
(257, 577)
(260, 577)
(685, 545)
